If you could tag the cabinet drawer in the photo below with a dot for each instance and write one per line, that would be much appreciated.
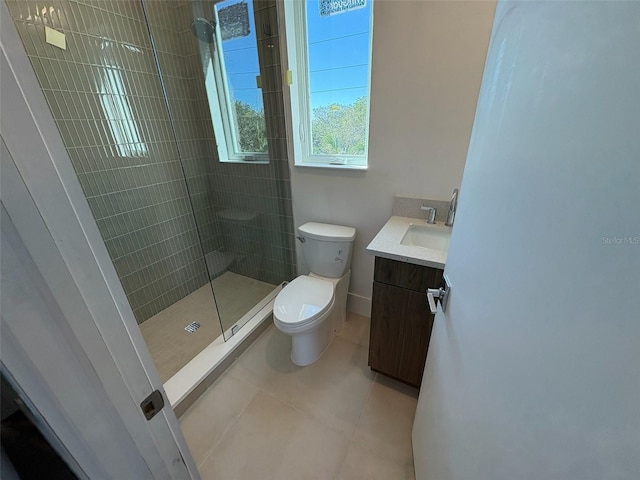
(406, 275)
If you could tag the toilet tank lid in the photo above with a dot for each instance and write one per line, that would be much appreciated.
(327, 232)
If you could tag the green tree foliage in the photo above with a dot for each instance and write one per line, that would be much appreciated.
(340, 129)
(336, 129)
(251, 128)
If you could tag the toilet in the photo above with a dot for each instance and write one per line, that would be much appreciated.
(312, 308)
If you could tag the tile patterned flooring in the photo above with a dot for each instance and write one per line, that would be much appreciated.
(172, 347)
(266, 418)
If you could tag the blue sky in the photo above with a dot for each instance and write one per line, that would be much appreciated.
(338, 49)
(339, 54)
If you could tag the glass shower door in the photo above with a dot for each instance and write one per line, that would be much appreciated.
(219, 64)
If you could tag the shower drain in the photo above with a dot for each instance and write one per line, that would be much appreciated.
(192, 327)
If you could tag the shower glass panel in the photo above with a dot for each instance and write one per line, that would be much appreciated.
(219, 64)
(127, 96)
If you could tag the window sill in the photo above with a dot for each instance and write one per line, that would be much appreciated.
(331, 166)
(261, 161)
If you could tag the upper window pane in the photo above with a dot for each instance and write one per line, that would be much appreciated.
(241, 67)
(338, 35)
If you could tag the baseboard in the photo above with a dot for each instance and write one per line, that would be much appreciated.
(359, 304)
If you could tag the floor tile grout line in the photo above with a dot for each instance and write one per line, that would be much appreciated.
(231, 424)
(366, 401)
(302, 410)
(351, 438)
(363, 444)
(348, 438)
(343, 460)
(297, 408)
(314, 415)
(357, 342)
(246, 376)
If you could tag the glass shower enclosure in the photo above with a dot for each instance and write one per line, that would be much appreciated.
(172, 114)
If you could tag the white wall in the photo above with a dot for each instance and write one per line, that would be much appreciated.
(428, 58)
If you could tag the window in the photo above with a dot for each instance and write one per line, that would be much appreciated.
(232, 75)
(329, 48)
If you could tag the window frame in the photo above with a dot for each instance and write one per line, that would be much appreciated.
(225, 127)
(295, 16)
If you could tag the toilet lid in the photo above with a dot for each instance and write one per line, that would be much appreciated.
(303, 300)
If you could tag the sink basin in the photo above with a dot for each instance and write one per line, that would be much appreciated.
(427, 236)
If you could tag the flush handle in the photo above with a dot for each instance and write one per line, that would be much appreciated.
(441, 293)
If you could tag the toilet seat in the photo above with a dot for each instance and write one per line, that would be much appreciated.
(303, 303)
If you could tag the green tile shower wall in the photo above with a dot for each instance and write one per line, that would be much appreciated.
(136, 190)
(139, 198)
(180, 69)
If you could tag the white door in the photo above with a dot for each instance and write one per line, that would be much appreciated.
(533, 371)
(69, 338)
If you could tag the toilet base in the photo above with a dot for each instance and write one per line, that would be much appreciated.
(341, 290)
(307, 347)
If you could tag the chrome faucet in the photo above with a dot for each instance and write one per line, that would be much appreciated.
(431, 213)
(452, 208)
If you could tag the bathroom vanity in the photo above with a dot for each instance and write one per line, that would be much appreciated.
(410, 257)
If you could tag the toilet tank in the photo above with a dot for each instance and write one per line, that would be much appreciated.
(327, 248)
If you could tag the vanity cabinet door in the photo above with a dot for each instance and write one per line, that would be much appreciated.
(418, 321)
(400, 329)
(401, 321)
(387, 330)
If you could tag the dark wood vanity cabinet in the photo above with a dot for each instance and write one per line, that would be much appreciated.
(400, 319)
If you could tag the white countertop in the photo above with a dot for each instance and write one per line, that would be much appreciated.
(387, 244)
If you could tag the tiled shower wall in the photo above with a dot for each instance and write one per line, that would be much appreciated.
(169, 22)
(106, 97)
